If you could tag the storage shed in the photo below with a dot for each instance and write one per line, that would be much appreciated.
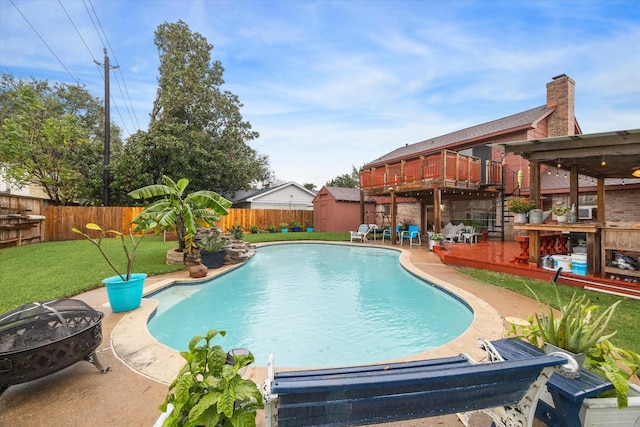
(337, 209)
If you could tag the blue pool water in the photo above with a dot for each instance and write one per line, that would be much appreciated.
(314, 305)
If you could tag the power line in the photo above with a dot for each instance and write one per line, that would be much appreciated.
(45, 43)
(77, 31)
(91, 54)
(119, 69)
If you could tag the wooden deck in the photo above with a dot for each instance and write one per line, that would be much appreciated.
(502, 256)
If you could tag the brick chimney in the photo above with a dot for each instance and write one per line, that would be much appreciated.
(561, 95)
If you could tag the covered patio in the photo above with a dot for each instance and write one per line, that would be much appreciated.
(609, 155)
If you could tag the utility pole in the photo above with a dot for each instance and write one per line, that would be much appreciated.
(106, 176)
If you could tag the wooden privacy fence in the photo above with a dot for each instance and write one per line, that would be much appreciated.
(61, 219)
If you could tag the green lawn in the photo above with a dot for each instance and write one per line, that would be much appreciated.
(51, 270)
(63, 269)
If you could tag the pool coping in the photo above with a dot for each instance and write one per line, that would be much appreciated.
(132, 343)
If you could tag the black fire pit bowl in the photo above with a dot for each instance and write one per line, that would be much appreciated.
(40, 338)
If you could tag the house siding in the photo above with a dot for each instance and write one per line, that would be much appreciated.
(290, 196)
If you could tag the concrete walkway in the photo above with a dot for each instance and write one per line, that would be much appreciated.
(141, 368)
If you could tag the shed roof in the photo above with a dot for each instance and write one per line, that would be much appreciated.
(343, 194)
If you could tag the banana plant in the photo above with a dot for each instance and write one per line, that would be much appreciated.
(180, 212)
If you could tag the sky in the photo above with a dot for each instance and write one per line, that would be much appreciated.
(332, 85)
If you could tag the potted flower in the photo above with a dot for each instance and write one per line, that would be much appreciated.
(309, 224)
(560, 212)
(579, 330)
(209, 389)
(125, 289)
(295, 225)
(212, 250)
(520, 206)
(434, 240)
(284, 227)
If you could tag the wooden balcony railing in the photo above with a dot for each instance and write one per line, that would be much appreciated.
(445, 166)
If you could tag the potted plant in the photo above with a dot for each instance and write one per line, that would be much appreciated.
(180, 212)
(295, 225)
(472, 224)
(209, 390)
(125, 289)
(254, 229)
(434, 240)
(309, 225)
(237, 232)
(578, 329)
(520, 206)
(560, 212)
(273, 228)
(212, 250)
(284, 227)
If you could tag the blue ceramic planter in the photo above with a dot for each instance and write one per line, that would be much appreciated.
(125, 296)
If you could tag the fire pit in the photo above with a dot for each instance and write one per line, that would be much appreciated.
(40, 338)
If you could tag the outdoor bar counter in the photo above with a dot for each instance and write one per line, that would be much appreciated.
(591, 229)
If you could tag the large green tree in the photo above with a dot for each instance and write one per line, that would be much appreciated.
(346, 180)
(52, 136)
(196, 128)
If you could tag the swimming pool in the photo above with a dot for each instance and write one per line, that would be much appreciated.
(314, 305)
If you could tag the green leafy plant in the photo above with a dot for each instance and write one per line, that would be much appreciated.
(273, 228)
(129, 253)
(284, 225)
(295, 224)
(236, 231)
(210, 392)
(578, 329)
(436, 236)
(472, 223)
(308, 223)
(179, 211)
(560, 210)
(254, 229)
(213, 242)
(520, 204)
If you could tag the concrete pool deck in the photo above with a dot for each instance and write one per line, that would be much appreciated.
(142, 368)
